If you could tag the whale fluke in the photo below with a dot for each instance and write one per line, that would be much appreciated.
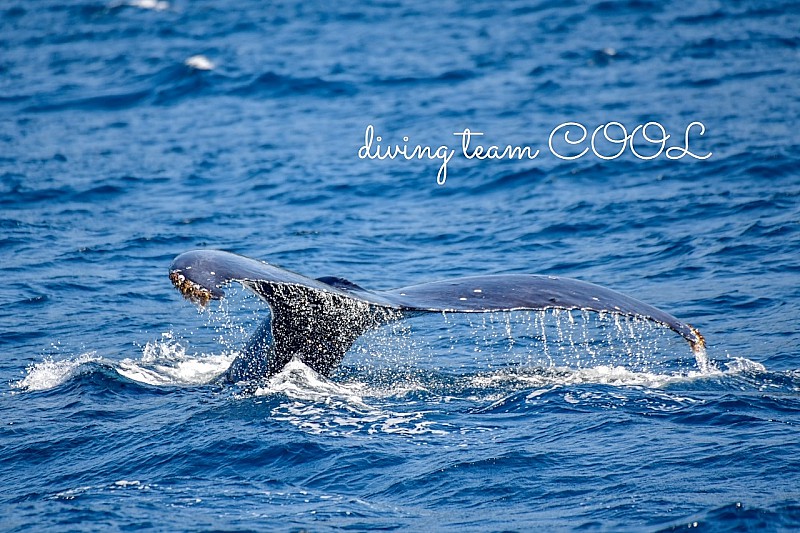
(317, 320)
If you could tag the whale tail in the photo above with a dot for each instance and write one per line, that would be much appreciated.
(316, 326)
(318, 320)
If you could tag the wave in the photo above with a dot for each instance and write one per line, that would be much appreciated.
(450, 76)
(51, 373)
(408, 398)
(194, 77)
(277, 85)
(165, 362)
(783, 515)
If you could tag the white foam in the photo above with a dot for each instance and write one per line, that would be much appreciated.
(300, 381)
(122, 484)
(165, 362)
(199, 62)
(561, 376)
(741, 365)
(155, 5)
(50, 373)
(313, 399)
(125, 483)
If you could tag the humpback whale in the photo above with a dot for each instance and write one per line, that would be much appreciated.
(318, 320)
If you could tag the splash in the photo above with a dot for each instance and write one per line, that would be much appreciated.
(397, 402)
(165, 362)
(549, 339)
(490, 354)
(301, 382)
(51, 373)
(701, 356)
(545, 379)
(320, 406)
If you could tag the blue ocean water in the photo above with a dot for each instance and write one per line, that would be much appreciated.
(133, 131)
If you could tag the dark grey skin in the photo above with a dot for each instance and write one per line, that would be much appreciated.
(318, 320)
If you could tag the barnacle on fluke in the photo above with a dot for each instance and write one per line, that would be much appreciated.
(191, 291)
(699, 344)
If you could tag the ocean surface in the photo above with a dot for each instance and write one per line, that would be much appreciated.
(131, 132)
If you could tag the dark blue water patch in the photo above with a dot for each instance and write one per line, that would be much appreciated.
(778, 10)
(435, 487)
(449, 77)
(168, 85)
(741, 412)
(743, 517)
(624, 9)
(781, 166)
(15, 338)
(276, 85)
(104, 102)
(527, 178)
(20, 193)
(711, 46)
(548, 87)
(760, 229)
